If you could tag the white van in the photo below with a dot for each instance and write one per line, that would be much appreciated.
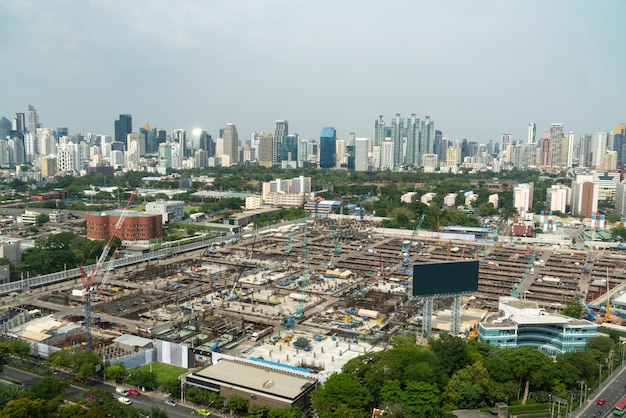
(124, 400)
(255, 336)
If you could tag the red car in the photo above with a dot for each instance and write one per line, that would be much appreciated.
(133, 391)
(601, 401)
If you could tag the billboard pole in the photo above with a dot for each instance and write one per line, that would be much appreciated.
(427, 316)
(455, 320)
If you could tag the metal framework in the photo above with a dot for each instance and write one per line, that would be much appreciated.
(90, 280)
(455, 318)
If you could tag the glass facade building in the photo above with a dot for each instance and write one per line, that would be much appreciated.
(328, 147)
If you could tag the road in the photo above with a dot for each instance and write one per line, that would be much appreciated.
(611, 390)
(143, 401)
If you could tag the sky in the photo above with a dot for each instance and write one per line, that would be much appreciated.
(478, 68)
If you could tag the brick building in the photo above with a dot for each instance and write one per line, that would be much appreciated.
(137, 227)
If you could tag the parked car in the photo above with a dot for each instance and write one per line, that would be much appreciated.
(124, 400)
(170, 402)
(203, 412)
(133, 392)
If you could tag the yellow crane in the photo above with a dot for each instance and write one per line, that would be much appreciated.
(607, 317)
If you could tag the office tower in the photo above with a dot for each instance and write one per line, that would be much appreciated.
(532, 131)
(545, 150)
(427, 137)
(266, 147)
(48, 166)
(361, 154)
(350, 149)
(506, 139)
(289, 148)
(69, 158)
(570, 149)
(165, 157)
(397, 136)
(413, 155)
(557, 198)
(15, 148)
(472, 148)
(620, 198)
(33, 119)
(5, 128)
(598, 148)
(123, 126)
(340, 152)
(609, 161)
(464, 150)
(31, 147)
(585, 151)
(328, 147)
(280, 132)
(5, 161)
(179, 136)
(445, 144)
(438, 145)
(231, 143)
(63, 131)
(351, 139)
(379, 131)
(303, 150)
(19, 125)
(619, 141)
(387, 154)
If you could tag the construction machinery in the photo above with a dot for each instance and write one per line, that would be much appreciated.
(607, 316)
(406, 247)
(334, 236)
(291, 235)
(232, 295)
(303, 282)
(89, 280)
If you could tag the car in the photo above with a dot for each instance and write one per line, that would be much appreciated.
(90, 398)
(203, 412)
(601, 401)
(124, 400)
(170, 402)
(133, 392)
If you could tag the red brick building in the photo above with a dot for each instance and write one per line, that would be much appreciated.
(55, 194)
(138, 226)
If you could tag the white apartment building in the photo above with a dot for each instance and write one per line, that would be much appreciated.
(523, 197)
(450, 199)
(426, 198)
(408, 197)
(429, 162)
(558, 197)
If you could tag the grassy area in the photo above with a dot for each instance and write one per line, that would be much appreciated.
(163, 371)
(139, 208)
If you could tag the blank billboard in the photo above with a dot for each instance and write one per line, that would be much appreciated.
(445, 278)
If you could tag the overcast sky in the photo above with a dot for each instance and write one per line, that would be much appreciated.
(477, 68)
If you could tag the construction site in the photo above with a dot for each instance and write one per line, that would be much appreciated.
(310, 294)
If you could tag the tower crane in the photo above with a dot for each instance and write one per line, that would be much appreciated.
(407, 249)
(332, 232)
(89, 280)
(305, 277)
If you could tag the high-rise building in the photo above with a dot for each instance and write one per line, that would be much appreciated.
(584, 196)
(47, 142)
(280, 132)
(545, 150)
(620, 198)
(556, 144)
(557, 198)
(179, 136)
(413, 155)
(328, 147)
(289, 147)
(523, 197)
(123, 126)
(427, 137)
(361, 154)
(584, 151)
(266, 147)
(397, 136)
(33, 119)
(379, 130)
(231, 143)
(532, 131)
(599, 148)
(570, 149)
(19, 125)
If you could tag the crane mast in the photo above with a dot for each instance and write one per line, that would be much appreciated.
(90, 280)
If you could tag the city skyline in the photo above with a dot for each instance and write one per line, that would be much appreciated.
(477, 68)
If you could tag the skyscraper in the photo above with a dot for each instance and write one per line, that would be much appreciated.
(328, 147)
(33, 119)
(556, 144)
(379, 130)
(412, 141)
(280, 132)
(532, 131)
(123, 126)
(231, 143)
(289, 148)
(397, 136)
(179, 136)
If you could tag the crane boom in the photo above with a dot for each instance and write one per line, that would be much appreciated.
(90, 280)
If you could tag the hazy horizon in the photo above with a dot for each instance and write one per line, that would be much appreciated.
(477, 68)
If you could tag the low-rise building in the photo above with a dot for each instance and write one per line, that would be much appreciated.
(520, 323)
(408, 197)
(170, 210)
(138, 227)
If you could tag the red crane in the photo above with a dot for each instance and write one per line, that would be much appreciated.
(90, 280)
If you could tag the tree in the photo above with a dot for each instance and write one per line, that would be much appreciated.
(601, 343)
(5, 352)
(48, 388)
(171, 386)
(144, 379)
(72, 411)
(573, 309)
(116, 372)
(155, 412)
(284, 413)
(341, 392)
(531, 368)
(26, 408)
(467, 388)
(257, 411)
(20, 348)
(451, 352)
(237, 404)
(41, 219)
